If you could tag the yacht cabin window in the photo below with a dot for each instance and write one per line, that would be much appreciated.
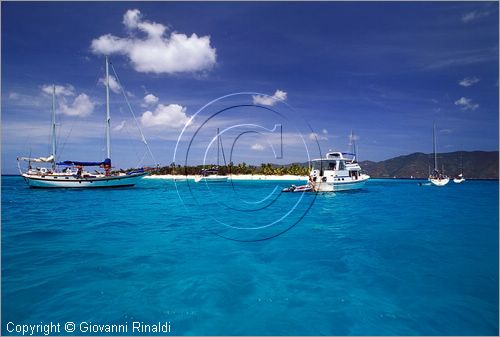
(324, 165)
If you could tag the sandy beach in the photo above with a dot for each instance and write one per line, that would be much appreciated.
(232, 177)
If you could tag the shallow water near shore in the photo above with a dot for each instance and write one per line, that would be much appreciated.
(394, 258)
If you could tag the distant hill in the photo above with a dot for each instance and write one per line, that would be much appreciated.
(476, 164)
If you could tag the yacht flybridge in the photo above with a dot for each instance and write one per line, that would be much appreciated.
(338, 171)
(71, 174)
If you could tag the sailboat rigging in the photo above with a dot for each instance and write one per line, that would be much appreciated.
(212, 175)
(73, 175)
(460, 178)
(437, 178)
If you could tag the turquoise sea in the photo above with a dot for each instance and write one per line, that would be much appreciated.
(395, 258)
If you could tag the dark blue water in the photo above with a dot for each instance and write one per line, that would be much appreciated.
(394, 258)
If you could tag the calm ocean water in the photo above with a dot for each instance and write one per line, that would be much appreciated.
(394, 258)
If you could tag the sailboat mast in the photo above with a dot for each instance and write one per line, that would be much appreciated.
(462, 163)
(434, 146)
(108, 117)
(54, 125)
(218, 147)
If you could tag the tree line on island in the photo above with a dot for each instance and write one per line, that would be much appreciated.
(241, 168)
(475, 164)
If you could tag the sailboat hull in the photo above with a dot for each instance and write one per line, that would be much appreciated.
(439, 182)
(48, 181)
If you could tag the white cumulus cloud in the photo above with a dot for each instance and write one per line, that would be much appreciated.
(316, 136)
(131, 18)
(61, 90)
(155, 51)
(172, 116)
(257, 147)
(468, 81)
(82, 106)
(14, 95)
(150, 99)
(466, 104)
(278, 96)
(120, 126)
(474, 15)
(113, 84)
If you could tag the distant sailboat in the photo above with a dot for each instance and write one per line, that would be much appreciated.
(212, 175)
(437, 178)
(73, 175)
(460, 178)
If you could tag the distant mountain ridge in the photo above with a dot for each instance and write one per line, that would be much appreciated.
(476, 164)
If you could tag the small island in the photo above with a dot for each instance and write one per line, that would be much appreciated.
(476, 165)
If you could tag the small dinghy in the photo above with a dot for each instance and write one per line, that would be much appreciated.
(302, 188)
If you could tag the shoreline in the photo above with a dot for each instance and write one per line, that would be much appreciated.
(283, 177)
(269, 177)
(232, 177)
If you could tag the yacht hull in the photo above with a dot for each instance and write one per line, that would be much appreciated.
(338, 186)
(440, 182)
(72, 182)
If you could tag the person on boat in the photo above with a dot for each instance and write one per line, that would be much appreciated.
(106, 164)
(79, 171)
(312, 183)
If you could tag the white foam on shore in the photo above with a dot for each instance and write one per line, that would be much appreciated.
(232, 177)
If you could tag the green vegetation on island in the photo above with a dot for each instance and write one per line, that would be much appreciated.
(241, 168)
(475, 164)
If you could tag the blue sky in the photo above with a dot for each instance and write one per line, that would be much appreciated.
(386, 70)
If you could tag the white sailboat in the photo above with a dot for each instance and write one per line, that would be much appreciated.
(74, 175)
(212, 175)
(437, 178)
(460, 178)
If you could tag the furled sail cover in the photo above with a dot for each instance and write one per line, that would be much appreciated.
(106, 161)
(48, 159)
